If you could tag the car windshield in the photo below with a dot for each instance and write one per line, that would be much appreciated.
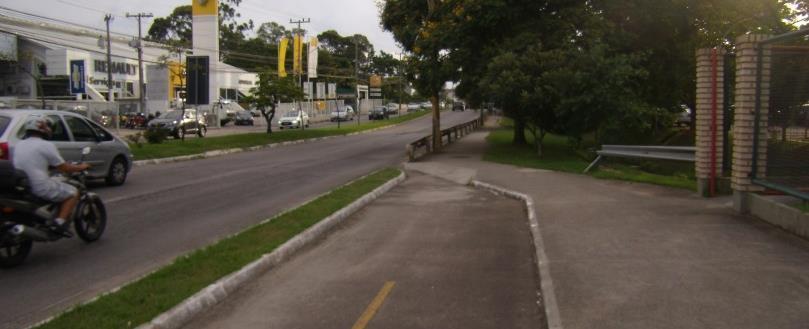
(244, 114)
(173, 115)
(291, 114)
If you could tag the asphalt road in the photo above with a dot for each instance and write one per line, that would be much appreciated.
(164, 211)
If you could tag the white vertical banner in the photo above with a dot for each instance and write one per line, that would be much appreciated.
(320, 92)
(312, 59)
(332, 91)
(307, 89)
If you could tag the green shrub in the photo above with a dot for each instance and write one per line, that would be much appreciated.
(156, 136)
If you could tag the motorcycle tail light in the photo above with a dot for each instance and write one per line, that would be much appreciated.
(8, 210)
(4, 151)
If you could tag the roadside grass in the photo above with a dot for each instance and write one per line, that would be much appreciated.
(558, 155)
(803, 206)
(194, 145)
(156, 293)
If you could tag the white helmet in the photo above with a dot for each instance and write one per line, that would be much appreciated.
(40, 125)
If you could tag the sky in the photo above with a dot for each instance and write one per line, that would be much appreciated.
(347, 17)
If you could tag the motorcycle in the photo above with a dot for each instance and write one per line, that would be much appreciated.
(24, 218)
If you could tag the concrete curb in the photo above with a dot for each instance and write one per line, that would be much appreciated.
(216, 153)
(548, 296)
(177, 316)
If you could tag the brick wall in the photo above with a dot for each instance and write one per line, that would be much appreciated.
(744, 116)
(710, 79)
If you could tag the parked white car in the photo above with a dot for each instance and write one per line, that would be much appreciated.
(294, 119)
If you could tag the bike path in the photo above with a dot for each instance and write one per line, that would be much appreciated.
(628, 255)
(428, 254)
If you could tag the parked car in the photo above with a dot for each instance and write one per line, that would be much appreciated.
(412, 107)
(458, 106)
(393, 108)
(378, 113)
(110, 159)
(180, 123)
(346, 113)
(243, 118)
(294, 119)
(683, 118)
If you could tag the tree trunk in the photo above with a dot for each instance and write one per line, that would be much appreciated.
(538, 140)
(519, 132)
(436, 123)
(268, 117)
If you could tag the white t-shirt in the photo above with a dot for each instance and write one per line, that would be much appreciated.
(34, 156)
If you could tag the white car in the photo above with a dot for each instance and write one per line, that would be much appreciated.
(294, 119)
(342, 114)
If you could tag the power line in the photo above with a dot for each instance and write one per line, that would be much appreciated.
(19, 12)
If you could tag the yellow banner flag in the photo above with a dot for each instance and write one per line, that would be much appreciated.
(282, 57)
(296, 55)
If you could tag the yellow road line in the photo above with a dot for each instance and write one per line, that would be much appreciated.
(374, 306)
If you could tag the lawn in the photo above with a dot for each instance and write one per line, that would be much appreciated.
(559, 155)
(156, 293)
(804, 206)
(172, 147)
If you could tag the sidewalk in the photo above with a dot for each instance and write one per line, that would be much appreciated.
(440, 255)
(626, 255)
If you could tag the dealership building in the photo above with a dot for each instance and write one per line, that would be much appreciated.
(36, 51)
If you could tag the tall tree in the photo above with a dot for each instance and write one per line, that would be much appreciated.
(270, 91)
(421, 27)
(272, 32)
(175, 27)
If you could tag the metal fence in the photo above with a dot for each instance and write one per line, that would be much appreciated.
(110, 115)
(786, 122)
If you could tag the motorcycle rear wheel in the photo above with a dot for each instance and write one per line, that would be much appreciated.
(90, 220)
(14, 253)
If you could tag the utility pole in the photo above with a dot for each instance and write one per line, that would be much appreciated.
(141, 85)
(107, 19)
(401, 82)
(300, 64)
(357, 75)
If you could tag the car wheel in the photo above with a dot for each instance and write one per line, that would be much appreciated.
(201, 131)
(117, 172)
(180, 133)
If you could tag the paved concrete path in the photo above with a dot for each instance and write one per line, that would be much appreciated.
(626, 255)
(432, 253)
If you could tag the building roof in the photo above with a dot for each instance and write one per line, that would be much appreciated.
(55, 36)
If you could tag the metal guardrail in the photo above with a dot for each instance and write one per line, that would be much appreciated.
(675, 153)
(448, 136)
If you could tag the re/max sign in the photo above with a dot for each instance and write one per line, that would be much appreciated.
(117, 67)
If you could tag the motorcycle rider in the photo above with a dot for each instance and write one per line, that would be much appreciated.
(34, 155)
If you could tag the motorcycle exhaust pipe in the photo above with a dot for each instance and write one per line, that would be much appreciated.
(29, 232)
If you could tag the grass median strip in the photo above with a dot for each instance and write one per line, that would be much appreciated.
(558, 155)
(156, 293)
(193, 145)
